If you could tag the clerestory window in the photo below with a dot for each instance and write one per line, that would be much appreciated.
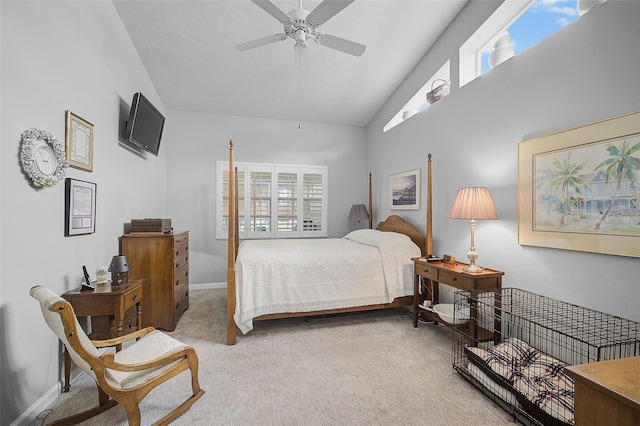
(515, 26)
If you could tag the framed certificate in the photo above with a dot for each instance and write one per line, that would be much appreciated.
(79, 207)
(79, 142)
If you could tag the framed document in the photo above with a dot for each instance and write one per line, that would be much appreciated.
(79, 207)
(79, 142)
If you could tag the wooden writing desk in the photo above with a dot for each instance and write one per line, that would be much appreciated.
(107, 306)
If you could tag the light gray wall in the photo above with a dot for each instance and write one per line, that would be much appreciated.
(586, 72)
(59, 56)
(201, 139)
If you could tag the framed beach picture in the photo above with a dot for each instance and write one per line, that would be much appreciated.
(580, 189)
(404, 190)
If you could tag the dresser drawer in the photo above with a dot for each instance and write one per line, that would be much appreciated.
(180, 239)
(181, 251)
(455, 280)
(180, 277)
(426, 271)
(181, 303)
(132, 296)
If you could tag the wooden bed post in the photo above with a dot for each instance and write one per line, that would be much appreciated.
(231, 261)
(429, 243)
(370, 205)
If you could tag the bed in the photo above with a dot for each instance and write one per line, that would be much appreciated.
(364, 270)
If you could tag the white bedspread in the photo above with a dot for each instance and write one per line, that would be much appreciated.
(365, 267)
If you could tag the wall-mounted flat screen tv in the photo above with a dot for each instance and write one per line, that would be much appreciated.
(145, 124)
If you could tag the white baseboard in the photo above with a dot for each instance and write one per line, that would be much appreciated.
(39, 406)
(205, 286)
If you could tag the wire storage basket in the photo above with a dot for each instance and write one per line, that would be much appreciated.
(518, 343)
(438, 92)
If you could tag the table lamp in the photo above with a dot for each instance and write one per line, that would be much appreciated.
(473, 203)
(119, 269)
(358, 213)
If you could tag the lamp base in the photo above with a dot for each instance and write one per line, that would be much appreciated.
(473, 269)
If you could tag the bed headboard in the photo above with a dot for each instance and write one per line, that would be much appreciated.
(395, 223)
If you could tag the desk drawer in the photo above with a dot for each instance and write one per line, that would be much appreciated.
(132, 296)
(454, 280)
(426, 271)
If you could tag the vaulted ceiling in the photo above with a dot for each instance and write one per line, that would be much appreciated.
(188, 49)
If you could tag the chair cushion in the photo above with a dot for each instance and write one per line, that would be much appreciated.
(149, 347)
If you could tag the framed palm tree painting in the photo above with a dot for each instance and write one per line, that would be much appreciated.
(580, 189)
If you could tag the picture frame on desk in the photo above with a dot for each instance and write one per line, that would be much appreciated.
(79, 207)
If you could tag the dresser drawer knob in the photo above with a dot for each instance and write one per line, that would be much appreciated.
(186, 259)
(177, 282)
(177, 264)
(187, 293)
(177, 305)
(134, 296)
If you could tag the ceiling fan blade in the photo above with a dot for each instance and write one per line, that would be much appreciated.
(260, 42)
(273, 10)
(341, 44)
(327, 10)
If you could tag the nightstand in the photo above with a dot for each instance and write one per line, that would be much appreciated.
(453, 275)
(108, 307)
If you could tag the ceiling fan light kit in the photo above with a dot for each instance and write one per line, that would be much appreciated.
(302, 25)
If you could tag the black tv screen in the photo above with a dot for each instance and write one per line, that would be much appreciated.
(145, 124)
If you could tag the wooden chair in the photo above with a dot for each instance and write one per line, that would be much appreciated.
(124, 377)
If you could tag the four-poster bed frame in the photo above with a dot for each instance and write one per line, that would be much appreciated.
(393, 223)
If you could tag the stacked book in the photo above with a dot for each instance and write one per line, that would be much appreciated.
(151, 225)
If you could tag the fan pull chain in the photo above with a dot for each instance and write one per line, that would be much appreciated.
(299, 87)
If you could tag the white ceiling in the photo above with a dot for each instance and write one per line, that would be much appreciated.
(188, 49)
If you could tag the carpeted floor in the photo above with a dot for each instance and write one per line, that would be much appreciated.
(368, 368)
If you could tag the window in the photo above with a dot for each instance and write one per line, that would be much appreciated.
(418, 102)
(276, 201)
(526, 21)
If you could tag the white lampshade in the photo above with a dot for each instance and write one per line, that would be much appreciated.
(473, 203)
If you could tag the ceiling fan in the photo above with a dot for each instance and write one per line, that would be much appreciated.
(302, 26)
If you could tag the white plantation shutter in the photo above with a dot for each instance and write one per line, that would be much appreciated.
(280, 201)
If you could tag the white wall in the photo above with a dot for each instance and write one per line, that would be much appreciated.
(59, 56)
(586, 72)
(201, 139)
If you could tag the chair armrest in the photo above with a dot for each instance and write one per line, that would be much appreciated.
(121, 339)
(175, 355)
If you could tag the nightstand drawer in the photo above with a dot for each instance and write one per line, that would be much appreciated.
(455, 280)
(426, 271)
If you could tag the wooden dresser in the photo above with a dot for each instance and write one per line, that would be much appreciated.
(163, 261)
(607, 392)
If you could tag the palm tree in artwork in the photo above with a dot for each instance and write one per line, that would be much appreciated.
(567, 180)
(544, 181)
(620, 164)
